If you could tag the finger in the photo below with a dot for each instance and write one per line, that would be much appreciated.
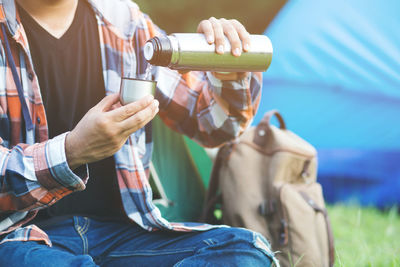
(107, 102)
(233, 37)
(140, 119)
(183, 71)
(230, 76)
(130, 109)
(219, 36)
(243, 34)
(206, 28)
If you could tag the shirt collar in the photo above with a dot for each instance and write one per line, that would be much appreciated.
(104, 9)
(8, 15)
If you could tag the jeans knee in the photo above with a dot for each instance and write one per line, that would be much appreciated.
(261, 243)
(242, 246)
(31, 253)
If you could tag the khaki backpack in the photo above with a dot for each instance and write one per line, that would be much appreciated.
(266, 182)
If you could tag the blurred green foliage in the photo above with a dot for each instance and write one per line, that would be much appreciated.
(185, 15)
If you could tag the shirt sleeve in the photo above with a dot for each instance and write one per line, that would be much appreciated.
(197, 104)
(36, 176)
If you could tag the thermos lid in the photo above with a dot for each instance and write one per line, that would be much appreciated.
(148, 51)
(158, 51)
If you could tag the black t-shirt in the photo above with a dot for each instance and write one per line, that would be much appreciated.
(71, 80)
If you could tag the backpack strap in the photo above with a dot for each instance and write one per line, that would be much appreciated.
(213, 196)
(328, 226)
(264, 127)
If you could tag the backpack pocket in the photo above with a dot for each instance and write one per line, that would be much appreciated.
(305, 237)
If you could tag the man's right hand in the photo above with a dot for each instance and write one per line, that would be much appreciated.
(103, 130)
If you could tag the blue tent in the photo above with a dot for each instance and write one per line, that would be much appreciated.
(335, 77)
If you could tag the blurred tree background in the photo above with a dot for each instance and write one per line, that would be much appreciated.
(184, 15)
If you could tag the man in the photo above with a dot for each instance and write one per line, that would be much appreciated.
(73, 125)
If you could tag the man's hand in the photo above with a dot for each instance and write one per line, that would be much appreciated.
(215, 30)
(103, 130)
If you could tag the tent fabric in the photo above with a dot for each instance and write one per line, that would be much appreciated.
(176, 160)
(335, 77)
(362, 177)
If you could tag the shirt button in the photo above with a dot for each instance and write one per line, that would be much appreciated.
(30, 76)
(38, 120)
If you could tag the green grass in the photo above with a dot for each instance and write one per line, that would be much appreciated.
(365, 236)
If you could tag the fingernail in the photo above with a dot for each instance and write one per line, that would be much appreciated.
(246, 47)
(156, 103)
(237, 52)
(210, 39)
(220, 49)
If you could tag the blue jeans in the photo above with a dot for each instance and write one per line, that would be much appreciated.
(81, 241)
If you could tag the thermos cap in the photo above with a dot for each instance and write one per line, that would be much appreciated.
(157, 51)
(148, 51)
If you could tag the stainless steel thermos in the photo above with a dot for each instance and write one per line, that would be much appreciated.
(191, 51)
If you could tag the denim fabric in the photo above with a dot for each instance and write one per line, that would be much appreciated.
(80, 241)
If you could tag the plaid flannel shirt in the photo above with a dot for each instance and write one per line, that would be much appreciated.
(34, 171)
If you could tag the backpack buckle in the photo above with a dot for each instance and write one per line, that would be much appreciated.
(268, 207)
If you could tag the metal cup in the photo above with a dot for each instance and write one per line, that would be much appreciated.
(134, 89)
